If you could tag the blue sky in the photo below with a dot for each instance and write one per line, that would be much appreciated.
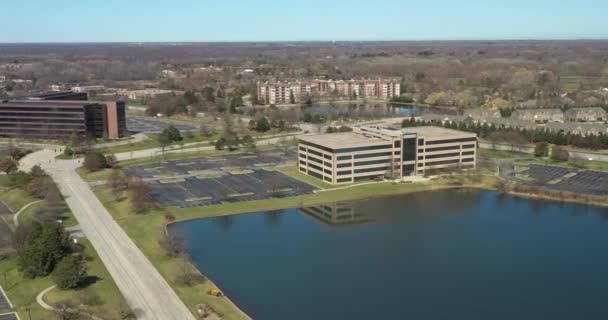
(265, 20)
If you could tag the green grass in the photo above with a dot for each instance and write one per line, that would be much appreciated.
(97, 175)
(15, 198)
(294, 172)
(22, 291)
(110, 295)
(569, 83)
(499, 154)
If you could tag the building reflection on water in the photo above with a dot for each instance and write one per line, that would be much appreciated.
(337, 214)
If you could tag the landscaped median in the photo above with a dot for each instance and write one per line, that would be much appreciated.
(96, 293)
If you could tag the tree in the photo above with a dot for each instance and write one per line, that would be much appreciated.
(262, 125)
(248, 142)
(44, 246)
(541, 149)
(95, 161)
(172, 133)
(163, 140)
(75, 139)
(560, 154)
(8, 165)
(117, 183)
(206, 131)
(69, 273)
(111, 161)
(220, 144)
(141, 196)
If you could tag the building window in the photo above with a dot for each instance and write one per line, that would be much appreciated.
(468, 153)
(345, 165)
(420, 157)
(340, 158)
(369, 148)
(452, 141)
(367, 163)
(344, 180)
(442, 149)
(409, 149)
(420, 142)
(371, 169)
(373, 155)
(342, 173)
(468, 160)
(328, 157)
(447, 155)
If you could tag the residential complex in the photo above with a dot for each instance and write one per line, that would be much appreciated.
(375, 152)
(287, 92)
(592, 114)
(538, 115)
(43, 117)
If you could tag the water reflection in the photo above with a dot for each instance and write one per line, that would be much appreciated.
(337, 214)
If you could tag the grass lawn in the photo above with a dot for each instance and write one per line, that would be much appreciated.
(294, 172)
(499, 154)
(95, 176)
(23, 291)
(15, 198)
(152, 142)
(111, 300)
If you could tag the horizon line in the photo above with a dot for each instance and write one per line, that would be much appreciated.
(307, 41)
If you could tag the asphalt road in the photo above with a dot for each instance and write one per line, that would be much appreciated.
(148, 294)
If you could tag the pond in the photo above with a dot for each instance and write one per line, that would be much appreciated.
(465, 254)
(363, 110)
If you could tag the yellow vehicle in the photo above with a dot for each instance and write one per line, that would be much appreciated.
(215, 292)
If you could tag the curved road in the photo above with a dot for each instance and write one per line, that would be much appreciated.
(146, 291)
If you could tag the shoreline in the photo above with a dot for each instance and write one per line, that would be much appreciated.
(168, 226)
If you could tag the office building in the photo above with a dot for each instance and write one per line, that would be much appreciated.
(376, 152)
(42, 117)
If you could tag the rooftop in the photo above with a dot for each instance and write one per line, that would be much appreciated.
(341, 140)
(431, 132)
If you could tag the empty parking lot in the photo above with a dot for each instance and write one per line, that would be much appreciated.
(229, 178)
(566, 179)
(9, 316)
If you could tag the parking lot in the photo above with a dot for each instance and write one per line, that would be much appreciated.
(8, 316)
(4, 305)
(230, 178)
(568, 179)
(137, 124)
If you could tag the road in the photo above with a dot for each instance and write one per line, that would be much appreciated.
(186, 149)
(148, 294)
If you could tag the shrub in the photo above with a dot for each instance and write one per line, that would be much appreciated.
(560, 154)
(541, 149)
(69, 273)
(95, 161)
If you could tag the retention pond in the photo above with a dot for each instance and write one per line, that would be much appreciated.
(437, 255)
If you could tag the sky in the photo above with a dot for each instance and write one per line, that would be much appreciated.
(25, 21)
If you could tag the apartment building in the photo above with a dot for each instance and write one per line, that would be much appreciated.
(43, 117)
(282, 92)
(376, 152)
(538, 115)
(592, 114)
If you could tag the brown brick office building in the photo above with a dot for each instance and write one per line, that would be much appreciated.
(57, 119)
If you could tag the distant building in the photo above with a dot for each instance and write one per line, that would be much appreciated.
(593, 114)
(376, 152)
(481, 115)
(51, 116)
(89, 88)
(146, 93)
(538, 115)
(281, 92)
(60, 95)
(578, 128)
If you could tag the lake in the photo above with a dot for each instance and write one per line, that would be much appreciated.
(436, 255)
